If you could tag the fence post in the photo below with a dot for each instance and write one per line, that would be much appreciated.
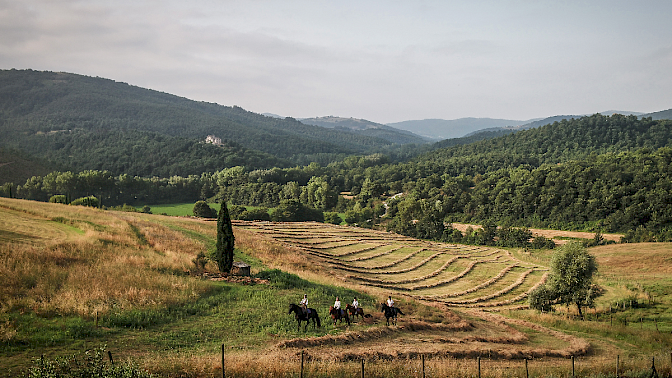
(479, 366)
(423, 366)
(527, 371)
(223, 370)
(109, 354)
(362, 368)
(572, 366)
(618, 363)
(654, 373)
(301, 364)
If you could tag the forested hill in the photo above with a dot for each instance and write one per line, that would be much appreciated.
(573, 139)
(52, 116)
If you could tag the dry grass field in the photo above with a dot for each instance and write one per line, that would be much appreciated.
(64, 269)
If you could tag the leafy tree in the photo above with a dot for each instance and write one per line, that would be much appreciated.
(570, 280)
(295, 211)
(203, 210)
(225, 240)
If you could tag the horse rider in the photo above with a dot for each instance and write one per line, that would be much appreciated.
(304, 304)
(390, 302)
(355, 304)
(337, 305)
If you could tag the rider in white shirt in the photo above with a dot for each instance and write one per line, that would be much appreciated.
(304, 303)
(390, 302)
(355, 304)
(337, 304)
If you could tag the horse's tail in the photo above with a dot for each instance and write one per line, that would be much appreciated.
(399, 311)
(317, 318)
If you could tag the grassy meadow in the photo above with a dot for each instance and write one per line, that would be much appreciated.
(75, 278)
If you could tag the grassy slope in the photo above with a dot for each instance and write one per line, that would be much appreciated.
(60, 265)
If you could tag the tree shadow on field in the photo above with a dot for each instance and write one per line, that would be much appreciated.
(11, 236)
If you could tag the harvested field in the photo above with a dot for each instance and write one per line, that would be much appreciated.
(455, 275)
(452, 278)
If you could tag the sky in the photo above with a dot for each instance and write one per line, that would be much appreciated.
(384, 61)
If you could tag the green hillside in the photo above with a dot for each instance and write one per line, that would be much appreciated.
(49, 115)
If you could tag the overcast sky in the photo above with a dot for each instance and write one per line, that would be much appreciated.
(385, 61)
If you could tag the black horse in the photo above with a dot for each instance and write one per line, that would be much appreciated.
(338, 314)
(302, 315)
(356, 311)
(390, 312)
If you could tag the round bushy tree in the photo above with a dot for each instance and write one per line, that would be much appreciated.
(203, 210)
(570, 280)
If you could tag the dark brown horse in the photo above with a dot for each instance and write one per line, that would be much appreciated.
(354, 312)
(306, 315)
(339, 315)
(390, 313)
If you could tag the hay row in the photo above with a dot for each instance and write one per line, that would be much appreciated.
(517, 298)
(366, 270)
(504, 291)
(355, 251)
(468, 269)
(389, 265)
(485, 284)
(376, 255)
(409, 280)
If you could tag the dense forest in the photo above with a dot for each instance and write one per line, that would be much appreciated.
(596, 173)
(48, 115)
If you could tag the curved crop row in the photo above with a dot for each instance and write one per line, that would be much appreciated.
(416, 279)
(483, 285)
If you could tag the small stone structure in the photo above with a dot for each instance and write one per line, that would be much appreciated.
(239, 268)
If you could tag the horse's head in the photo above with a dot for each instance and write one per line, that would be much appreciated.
(383, 307)
(292, 307)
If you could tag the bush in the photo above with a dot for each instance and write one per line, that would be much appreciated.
(203, 210)
(294, 211)
(90, 201)
(235, 211)
(59, 198)
(124, 207)
(146, 209)
(541, 242)
(332, 218)
(260, 214)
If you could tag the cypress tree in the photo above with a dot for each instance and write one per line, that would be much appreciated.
(225, 240)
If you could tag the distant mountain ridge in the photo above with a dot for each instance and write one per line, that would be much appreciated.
(441, 129)
(362, 126)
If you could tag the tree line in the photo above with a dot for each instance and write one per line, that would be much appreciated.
(563, 185)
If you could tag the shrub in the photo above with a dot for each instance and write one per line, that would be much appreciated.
(90, 201)
(332, 218)
(203, 210)
(59, 198)
(260, 214)
(541, 242)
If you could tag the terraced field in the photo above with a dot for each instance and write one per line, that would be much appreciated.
(454, 275)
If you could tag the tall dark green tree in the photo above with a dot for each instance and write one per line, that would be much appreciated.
(225, 240)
